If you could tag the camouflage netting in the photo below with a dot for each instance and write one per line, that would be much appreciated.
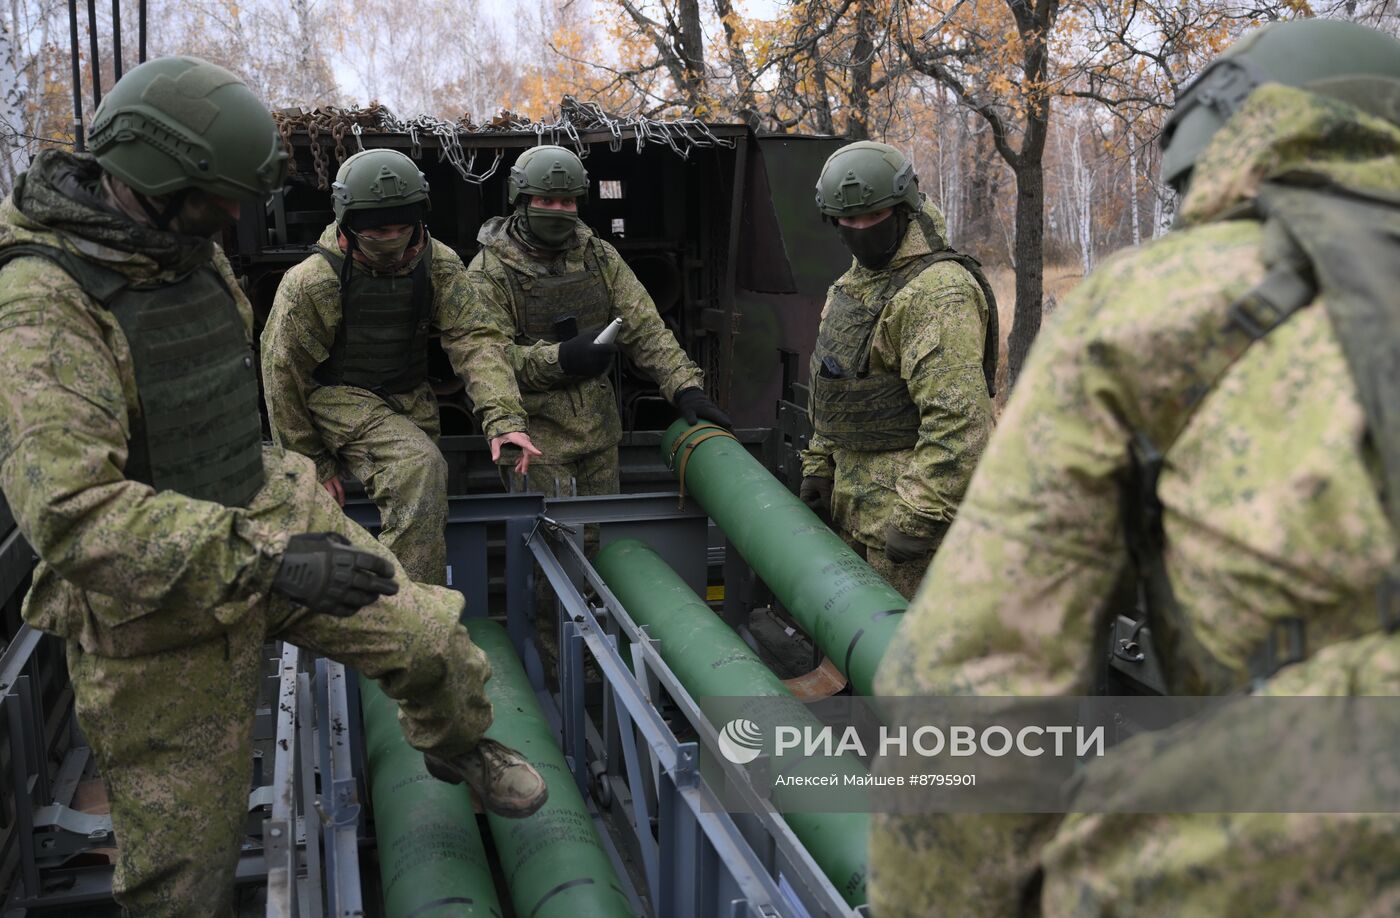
(328, 128)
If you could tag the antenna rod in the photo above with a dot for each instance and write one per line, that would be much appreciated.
(141, 32)
(77, 76)
(117, 39)
(92, 45)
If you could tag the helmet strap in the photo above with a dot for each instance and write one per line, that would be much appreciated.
(162, 217)
(346, 265)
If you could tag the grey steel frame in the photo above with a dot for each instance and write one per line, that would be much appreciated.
(702, 860)
(697, 860)
(46, 831)
(643, 784)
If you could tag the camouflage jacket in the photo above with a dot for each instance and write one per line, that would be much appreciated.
(65, 420)
(301, 329)
(931, 333)
(566, 419)
(1270, 511)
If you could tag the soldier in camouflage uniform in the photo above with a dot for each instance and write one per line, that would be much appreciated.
(1268, 504)
(344, 355)
(903, 369)
(541, 289)
(172, 542)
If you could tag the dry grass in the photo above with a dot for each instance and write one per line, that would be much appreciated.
(1060, 279)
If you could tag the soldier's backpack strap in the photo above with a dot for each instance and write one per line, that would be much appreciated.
(1134, 664)
(1318, 237)
(1351, 240)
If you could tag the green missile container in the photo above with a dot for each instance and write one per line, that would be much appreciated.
(711, 660)
(431, 855)
(847, 608)
(554, 862)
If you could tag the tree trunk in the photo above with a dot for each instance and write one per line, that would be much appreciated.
(1030, 262)
(12, 107)
(1133, 185)
(747, 107)
(1034, 24)
(690, 47)
(862, 66)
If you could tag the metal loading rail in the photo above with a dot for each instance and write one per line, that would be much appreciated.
(701, 861)
(663, 827)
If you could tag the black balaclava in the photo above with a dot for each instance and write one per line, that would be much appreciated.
(874, 246)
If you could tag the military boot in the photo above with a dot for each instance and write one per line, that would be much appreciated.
(499, 777)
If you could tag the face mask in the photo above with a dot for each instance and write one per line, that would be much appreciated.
(874, 246)
(553, 228)
(383, 253)
(200, 216)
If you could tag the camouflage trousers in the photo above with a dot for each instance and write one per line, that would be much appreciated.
(172, 730)
(905, 578)
(590, 475)
(394, 454)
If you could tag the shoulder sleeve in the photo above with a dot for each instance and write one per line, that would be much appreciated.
(297, 339)
(478, 335)
(935, 330)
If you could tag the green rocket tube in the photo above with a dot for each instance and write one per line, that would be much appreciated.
(710, 659)
(847, 608)
(430, 850)
(553, 860)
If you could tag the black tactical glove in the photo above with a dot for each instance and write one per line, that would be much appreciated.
(325, 573)
(815, 492)
(901, 547)
(580, 357)
(694, 404)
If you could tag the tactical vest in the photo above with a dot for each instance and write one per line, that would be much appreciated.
(542, 301)
(854, 408)
(199, 432)
(1346, 244)
(381, 343)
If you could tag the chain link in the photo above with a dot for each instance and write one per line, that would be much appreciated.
(576, 118)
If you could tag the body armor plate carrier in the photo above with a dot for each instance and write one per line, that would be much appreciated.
(382, 341)
(854, 408)
(199, 432)
(544, 300)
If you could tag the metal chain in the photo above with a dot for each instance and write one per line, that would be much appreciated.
(576, 118)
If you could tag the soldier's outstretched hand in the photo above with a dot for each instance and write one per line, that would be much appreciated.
(528, 450)
(325, 573)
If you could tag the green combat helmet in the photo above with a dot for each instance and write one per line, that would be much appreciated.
(176, 123)
(377, 180)
(864, 177)
(550, 171)
(1331, 57)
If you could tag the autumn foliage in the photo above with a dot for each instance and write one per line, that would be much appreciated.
(1033, 123)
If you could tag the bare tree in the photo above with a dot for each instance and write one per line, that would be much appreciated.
(955, 56)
